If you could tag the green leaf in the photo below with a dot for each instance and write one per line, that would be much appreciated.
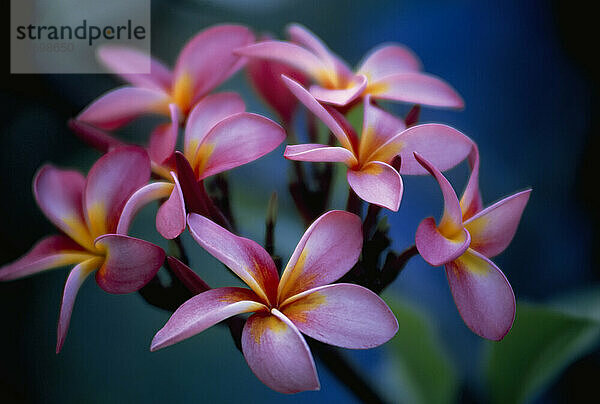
(581, 303)
(543, 341)
(418, 370)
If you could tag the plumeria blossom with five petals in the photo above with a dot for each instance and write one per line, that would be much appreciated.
(391, 72)
(303, 300)
(218, 136)
(87, 211)
(464, 241)
(383, 137)
(204, 63)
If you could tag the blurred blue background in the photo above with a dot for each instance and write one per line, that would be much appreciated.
(527, 73)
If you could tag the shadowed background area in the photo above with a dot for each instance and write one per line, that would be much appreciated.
(527, 73)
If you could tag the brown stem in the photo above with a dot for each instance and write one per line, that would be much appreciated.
(344, 371)
(394, 264)
(220, 185)
(354, 203)
(213, 211)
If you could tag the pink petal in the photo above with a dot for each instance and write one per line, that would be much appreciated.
(302, 36)
(194, 196)
(171, 216)
(451, 223)
(340, 97)
(319, 152)
(265, 76)
(493, 228)
(378, 128)
(122, 105)
(59, 194)
(142, 197)
(203, 311)
(205, 115)
(483, 296)
(110, 183)
(129, 265)
(345, 315)
(313, 105)
(189, 278)
(278, 354)
(470, 202)
(289, 54)
(388, 60)
(129, 62)
(328, 249)
(74, 282)
(436, 248)
(164, 138)
(50, 252)
(244, 257)
(378, 183)
(345, 125)
(93, 136)
(416, 88)
(208, 59)
(236, 140)
(442, 145)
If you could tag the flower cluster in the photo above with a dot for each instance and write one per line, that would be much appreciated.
(329, 288)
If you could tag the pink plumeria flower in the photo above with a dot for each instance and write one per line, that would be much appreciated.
(383, 137)
(265, 76)
(87, 212)
(219, 136)
(391, 72)
(204, 63)
(464, 241)
(344, 315)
